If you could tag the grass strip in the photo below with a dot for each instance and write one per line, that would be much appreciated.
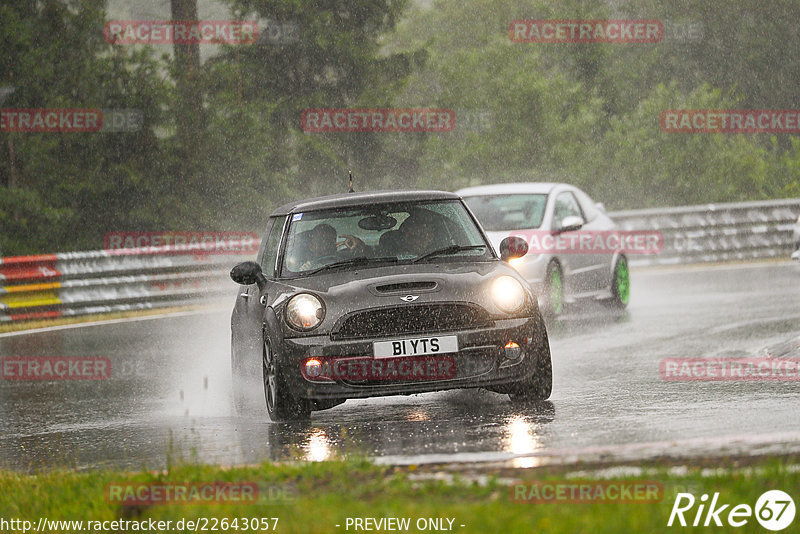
(315, 497)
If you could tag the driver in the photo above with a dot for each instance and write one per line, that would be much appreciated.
(422, 232)
(320, 242)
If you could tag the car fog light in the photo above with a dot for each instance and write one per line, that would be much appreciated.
(513, 352)
(313, 367)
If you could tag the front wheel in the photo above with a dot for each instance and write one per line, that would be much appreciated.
(620, 284)
(281, 404)
(538, 386)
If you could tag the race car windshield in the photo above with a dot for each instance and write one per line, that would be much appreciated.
(377, 234)
(508, 212)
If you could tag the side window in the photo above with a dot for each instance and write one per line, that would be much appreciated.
(271, 246)
(566, 206)
(588, 206)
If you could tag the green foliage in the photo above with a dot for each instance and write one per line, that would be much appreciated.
(589, 113)
(63, 191)
(581, 113)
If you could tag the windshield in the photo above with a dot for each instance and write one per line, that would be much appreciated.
(508, 212)
(380, 234)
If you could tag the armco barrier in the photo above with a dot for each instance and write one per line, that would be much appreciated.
(79, 283)
(76, 283)
(716, 232)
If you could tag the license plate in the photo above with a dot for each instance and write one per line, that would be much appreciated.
(415, 347)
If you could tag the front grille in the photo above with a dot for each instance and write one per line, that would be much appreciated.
(412, 319)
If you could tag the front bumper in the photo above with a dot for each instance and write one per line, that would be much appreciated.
(481, 361)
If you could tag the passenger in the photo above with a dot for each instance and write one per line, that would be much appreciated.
(422, 232)
(391, 243)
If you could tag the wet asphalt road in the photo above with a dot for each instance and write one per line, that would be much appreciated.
(168, 394)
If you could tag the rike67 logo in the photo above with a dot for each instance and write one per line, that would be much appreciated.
(774, 510)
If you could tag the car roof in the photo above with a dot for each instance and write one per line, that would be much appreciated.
(346, 200)
(542, 188)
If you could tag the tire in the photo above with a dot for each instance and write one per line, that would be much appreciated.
(539, 385)
(281, 404)
(553, 304)
(620, 284)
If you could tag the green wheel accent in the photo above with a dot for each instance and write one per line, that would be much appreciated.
(556, 286)
(623, 281)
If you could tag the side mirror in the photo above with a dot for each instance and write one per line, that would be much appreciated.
(573, 222)
(601, 207)
(248, 273)
(513, 247)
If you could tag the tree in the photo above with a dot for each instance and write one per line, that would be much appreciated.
(331, 58)
(63, 191)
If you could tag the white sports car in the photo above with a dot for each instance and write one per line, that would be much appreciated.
(550, 211)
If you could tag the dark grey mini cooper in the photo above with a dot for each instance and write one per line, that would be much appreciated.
(382, 293)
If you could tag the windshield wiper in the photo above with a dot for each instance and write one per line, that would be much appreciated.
(352, 261)
(450, 249)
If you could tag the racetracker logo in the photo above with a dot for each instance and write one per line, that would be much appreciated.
(143, 32)
(592, 242)
(388, 369)
(70, 120)
(162, 493)
(55, 368)
(183, 242)
(377, 120)
(586, 31)
(727, 369)
(629, 491)
(786, 121)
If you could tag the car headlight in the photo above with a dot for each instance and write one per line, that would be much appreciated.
(304, 312)
(508, 294)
